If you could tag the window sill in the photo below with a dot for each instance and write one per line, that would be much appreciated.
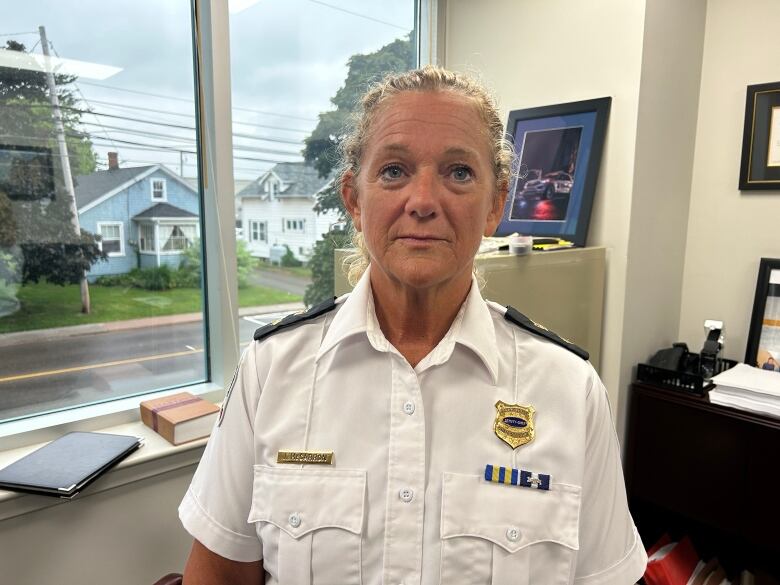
(155, 457)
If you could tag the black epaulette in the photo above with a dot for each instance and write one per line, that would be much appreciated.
(514, 316)
(295, 319)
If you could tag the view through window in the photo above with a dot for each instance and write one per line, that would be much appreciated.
(100, 257)
(297, 69)
(120, 224)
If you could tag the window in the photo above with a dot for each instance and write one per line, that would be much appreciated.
(158, 190)
(284, 105)
(258, 231)
(111, 238)
(146, 238)
(132, 146)
(294, 225)
(124, 162)
(177, 238)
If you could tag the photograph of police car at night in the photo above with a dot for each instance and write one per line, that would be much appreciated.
(546, 186)
(542, 193)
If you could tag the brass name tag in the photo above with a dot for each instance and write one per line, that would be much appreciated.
(322, 457)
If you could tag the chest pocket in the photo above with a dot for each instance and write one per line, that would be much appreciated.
(310, 522)
(501, 534)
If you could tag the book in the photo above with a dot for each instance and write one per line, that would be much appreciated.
(673, 563)
(67, 465)
(179, 418)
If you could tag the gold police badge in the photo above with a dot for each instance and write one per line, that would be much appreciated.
(514, 424)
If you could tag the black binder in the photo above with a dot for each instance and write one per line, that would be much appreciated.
(65, 466)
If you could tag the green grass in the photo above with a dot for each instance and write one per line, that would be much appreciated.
(47, 305)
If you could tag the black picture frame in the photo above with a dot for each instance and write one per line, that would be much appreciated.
(763, 343)
(558, 152)
(760, 165)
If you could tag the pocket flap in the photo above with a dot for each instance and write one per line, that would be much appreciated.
(510, 516)
(299, 501)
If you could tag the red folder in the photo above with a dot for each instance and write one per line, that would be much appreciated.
(672, 564)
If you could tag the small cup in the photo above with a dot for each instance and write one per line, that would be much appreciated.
(520, 245)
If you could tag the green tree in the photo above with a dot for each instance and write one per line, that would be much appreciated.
(244, 263)
(40, 204)
(321, 150)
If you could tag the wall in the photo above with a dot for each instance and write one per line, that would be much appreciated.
(129, 535)
(665, 141)
(537, 52)
(729, 231)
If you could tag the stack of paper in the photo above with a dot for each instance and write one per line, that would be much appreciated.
(748, 388)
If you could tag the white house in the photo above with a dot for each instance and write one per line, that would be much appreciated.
(277, 209)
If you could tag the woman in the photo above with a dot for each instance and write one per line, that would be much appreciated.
(411, 432)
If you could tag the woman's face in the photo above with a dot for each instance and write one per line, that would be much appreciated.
(425, 194)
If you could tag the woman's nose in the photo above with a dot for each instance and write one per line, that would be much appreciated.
(423, 198)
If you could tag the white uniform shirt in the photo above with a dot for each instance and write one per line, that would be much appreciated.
(406, 501)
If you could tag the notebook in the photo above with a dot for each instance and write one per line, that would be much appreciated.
(65, 466)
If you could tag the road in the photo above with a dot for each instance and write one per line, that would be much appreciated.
(280, 280)
(50, 374)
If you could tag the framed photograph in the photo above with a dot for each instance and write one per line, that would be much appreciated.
(763, 345)
(26, 172)
(558, 150)
(760, 168)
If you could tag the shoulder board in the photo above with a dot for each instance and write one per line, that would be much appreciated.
(514, 316)
(295, 319)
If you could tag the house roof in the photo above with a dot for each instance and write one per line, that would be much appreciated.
(92, 190)
(164, 210)
(299, 179)
(95, 185)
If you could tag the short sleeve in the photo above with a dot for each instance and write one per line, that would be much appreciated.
(611, 551)
(216, 506)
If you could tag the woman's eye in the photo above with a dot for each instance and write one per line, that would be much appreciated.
(392, 172)
(462, 173)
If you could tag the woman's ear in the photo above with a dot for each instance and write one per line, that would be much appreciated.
(496, 212)
(349, 196)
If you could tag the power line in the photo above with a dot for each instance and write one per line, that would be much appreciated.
(19, 34)
(359, 15)
(131, 145)
(192, 116)
(78, 89)
(165, 124)
(148, 134)
(169, 97)
(186, 164)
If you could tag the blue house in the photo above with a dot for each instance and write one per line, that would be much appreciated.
(146, 216)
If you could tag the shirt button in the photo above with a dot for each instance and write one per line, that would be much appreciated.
(513, 534)
(294, 520)
(409, 407)
(406, 495)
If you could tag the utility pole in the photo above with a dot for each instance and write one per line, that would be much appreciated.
(59, 128)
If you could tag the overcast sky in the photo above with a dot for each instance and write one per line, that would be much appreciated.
(288, 58)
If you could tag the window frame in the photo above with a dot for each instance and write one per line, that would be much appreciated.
(211, 44)
(100, 225)
(164, 182)
(263, 232)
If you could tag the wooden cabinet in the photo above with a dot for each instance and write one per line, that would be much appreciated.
(708, 471)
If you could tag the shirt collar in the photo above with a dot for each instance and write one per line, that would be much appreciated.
(351, 318)
(473, 327)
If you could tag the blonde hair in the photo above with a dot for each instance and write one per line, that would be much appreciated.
(426, 79)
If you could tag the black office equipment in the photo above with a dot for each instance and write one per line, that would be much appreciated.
(67, 465)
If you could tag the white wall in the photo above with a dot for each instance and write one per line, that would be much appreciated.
(665, 139)
(128, 535)
(540, 52)
(729, 231)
